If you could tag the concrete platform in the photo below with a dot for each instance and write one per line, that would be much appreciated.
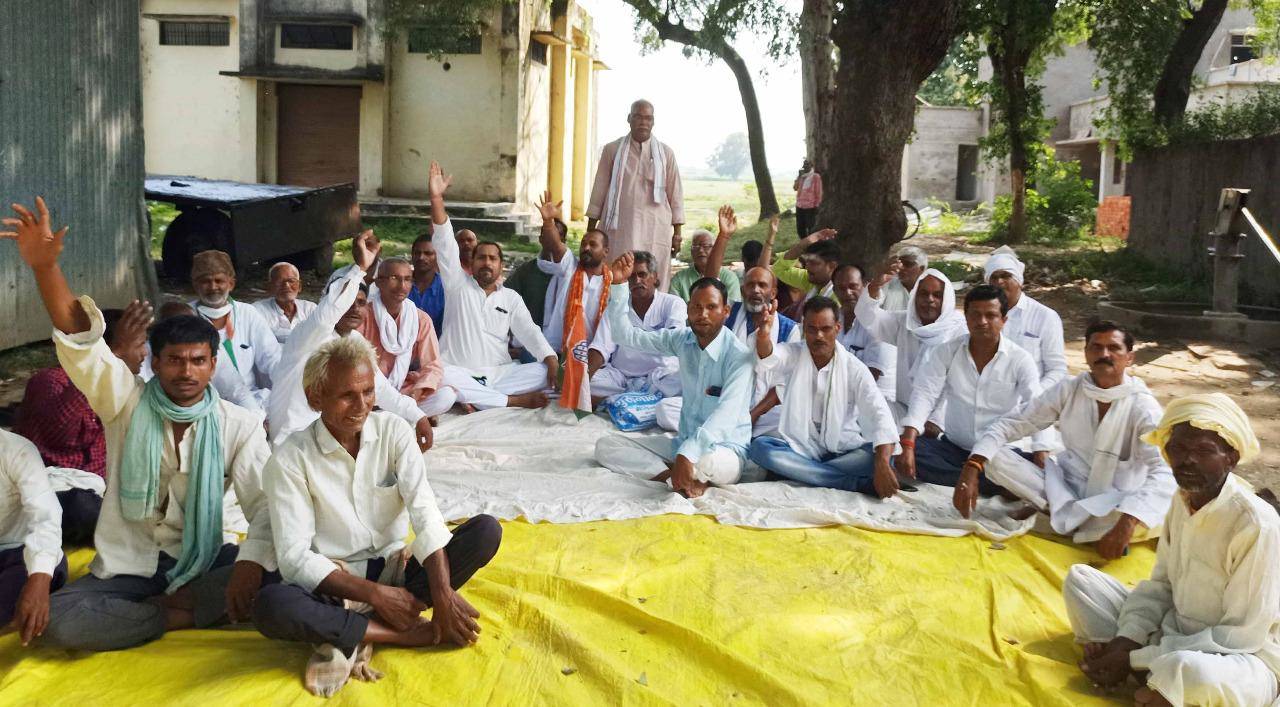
(1260, 326)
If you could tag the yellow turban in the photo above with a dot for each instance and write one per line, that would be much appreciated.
(1214, 412)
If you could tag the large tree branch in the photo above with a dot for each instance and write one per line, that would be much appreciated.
(1173, 90)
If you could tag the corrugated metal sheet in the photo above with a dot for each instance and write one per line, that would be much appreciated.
(71, 131)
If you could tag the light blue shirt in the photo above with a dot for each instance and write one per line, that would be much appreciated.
(706, 420)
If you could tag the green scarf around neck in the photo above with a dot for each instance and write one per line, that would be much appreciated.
(140, 475)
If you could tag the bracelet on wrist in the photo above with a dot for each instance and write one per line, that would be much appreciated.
(907, 443)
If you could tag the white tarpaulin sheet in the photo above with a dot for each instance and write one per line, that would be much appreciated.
(540, 465)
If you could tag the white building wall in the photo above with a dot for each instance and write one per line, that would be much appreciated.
(932, 157)
(196, 121)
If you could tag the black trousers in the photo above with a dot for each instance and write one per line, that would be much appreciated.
(806, 221)
(80, 508)
(288, 612)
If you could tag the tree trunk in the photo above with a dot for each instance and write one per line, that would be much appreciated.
(817, 77)
(1174, 87)
(887, 49)
(755, 131)
(1009, 57)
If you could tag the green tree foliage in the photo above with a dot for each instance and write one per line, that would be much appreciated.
(1060, 204)
(1255, 116)
(954, 82)
(731, 157)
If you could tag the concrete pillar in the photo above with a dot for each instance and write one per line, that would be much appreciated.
(583, 104)
(558, 125)
(1105, 160)
(247, 157)
(373, 138)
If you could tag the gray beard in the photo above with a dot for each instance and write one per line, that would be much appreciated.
(752, 307)
(215, 303)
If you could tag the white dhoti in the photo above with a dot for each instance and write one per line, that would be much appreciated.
(439, 402)
(487, 388)
(609, 381)
(668, 417)
(646, 457)
(1094, 600)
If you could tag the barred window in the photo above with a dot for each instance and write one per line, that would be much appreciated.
(195, 34)
(446, 39)
(300, 36)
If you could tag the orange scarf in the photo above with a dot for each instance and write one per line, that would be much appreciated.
(575, 392)
(574, 308)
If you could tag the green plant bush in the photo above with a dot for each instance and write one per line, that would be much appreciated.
(948, 222)
(1060, 206)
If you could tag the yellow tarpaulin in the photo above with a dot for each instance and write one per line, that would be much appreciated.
(668, 610)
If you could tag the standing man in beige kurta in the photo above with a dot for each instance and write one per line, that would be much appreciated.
(637, 197)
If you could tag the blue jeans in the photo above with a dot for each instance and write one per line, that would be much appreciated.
(850, 471)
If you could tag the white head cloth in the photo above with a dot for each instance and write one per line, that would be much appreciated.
(1003, 258)
(944, 324)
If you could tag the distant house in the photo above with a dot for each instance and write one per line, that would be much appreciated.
(941, 161)
(316, 92)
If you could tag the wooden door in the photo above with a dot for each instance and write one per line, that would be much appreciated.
(318, 140)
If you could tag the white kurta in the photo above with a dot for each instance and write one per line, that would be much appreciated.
(874, 353)
(667, 311)
(113, 391)
(280, 323)
(288, 410)
(974, 399)
(30, 516)
(642, 224)
(1209, 617)
(1038, 330)
(562, 274)
(327, 506)
(253, 353)
(895, 297)
(891, 328)
(1142, 485)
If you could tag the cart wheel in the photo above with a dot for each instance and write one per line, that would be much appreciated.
(320, 259)
(192, 232)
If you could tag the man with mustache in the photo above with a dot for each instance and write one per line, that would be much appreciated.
(707, 253)
(979, 378)
(343, 494)
(759, 291)
(341, 312)
(590, 265)
(248, 346)
(483, 315)
(835, 429)
(1108, 486)
(877, 355)
(1205, 628)
(930, 321)
(715, 375)
(618, 369)
(1031, 325)
(174, 447)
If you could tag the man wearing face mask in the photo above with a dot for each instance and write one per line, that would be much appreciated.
(247, 344)
(1108, 486)
(1205, 628)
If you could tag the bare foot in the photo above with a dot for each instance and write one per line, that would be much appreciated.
(532, 401)
(1150, 698)
(435, 421)
(423, 634)
(662, 477)
(468, 408)
(695, 489)
(1022, 513)
(1093, 649)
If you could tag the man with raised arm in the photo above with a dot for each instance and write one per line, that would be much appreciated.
(835, 429)
(483, 315)
(906, 268)
(715, 374)
(1205, 628)
(173, 449)
(579, 284)
(1108, 486)
(707, 252)
(341, 312)
(343, 494)
(879, 357)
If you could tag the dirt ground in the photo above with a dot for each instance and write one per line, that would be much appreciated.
(1171, 367)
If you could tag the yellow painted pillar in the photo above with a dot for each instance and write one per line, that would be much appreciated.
(560, 58)
(583, 102)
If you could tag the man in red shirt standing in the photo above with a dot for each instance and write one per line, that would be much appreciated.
(808, 188)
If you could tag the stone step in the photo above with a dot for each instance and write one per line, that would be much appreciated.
(514, 226)
(391, 206)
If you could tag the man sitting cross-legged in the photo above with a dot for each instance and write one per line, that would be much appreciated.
(878, 356)
(284, 310)
(981, 377)
(929, 321)
(1205, 629)
(482, 317)
(173, 449)
(759, 290)
(405, 339)
(1108, 486)
(341, 312)
(836, 429)
(618, 369)
(31, 560)
(343, 494)
(715, 374)
(249, 348)
(579, 284)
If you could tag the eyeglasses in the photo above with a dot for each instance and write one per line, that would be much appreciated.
(707, 247)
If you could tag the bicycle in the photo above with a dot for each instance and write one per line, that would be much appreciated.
(913, 219)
